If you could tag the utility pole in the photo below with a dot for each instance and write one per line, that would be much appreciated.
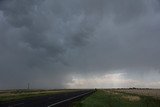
(28, 87)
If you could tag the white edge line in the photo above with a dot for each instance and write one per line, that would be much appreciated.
(68, 99)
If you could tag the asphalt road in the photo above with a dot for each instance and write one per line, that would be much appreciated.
(57, 100)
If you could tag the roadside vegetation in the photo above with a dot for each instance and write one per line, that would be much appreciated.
(109, 98)
(144, 92)
(14, 95)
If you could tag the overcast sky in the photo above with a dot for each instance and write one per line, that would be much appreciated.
(79, 43)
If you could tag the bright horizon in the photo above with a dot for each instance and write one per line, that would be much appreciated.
(79, 44)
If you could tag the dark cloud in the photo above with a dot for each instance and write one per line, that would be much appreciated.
(45, 41)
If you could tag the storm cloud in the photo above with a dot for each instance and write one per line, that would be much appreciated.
(55, 43)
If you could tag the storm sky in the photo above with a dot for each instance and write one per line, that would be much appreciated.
(79, 43)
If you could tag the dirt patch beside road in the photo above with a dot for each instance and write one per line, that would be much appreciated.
(131, 98)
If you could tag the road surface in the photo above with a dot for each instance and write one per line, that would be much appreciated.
(56, 100)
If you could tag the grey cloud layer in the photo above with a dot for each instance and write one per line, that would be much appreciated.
(44, 41)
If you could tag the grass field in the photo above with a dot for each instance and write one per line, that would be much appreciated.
(13, 95)
(145, 92)
(108, 98)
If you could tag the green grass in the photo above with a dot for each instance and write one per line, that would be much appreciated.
(103, 98)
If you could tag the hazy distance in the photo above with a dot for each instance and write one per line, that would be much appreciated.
(79, 43)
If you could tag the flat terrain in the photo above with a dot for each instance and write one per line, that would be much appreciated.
(112, 98)
(36, 98)
(99, 98)
(13, 95)
(145, 92)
